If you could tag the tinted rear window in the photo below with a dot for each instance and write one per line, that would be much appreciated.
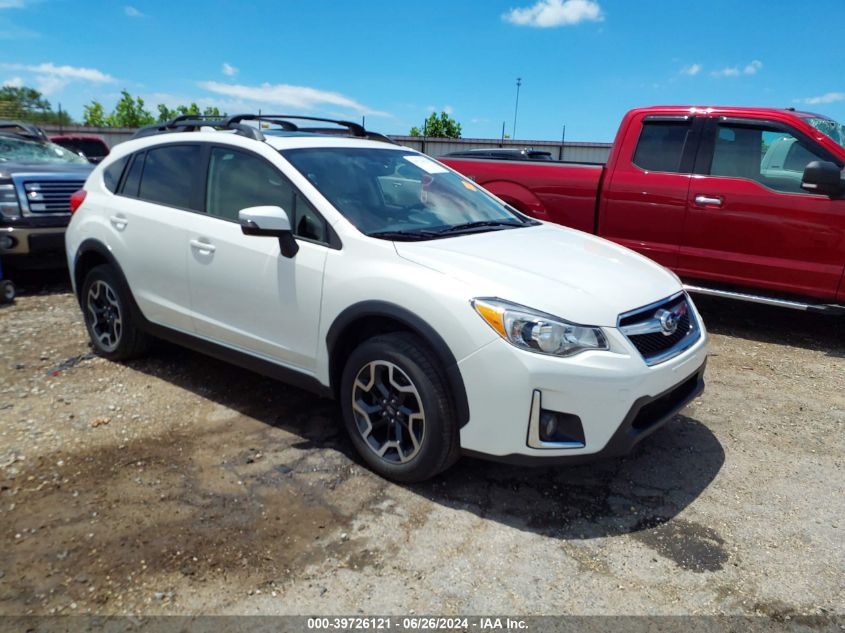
(661, 145)
(112, 173)
(133, 177)
(168, 176)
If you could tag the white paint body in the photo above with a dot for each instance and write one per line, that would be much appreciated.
(201, 275)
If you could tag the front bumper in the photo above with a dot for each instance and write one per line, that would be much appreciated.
(34, 241)
(618, 399)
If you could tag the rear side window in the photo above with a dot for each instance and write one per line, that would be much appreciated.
(133, 176)
(169, 175)
(112, 173)
(661, 145)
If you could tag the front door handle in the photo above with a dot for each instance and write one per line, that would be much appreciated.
(708, 201)
(203, 247)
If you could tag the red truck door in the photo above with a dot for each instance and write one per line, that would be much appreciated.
(644, 200)
(749, 222)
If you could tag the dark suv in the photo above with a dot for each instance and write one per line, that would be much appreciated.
(37, 179)
(89, 145)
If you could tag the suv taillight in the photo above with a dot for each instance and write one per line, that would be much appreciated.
(77, 199)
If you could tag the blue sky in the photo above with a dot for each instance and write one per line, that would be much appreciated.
(583, 63)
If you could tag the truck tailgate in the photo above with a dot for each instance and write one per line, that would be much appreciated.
(564, 193)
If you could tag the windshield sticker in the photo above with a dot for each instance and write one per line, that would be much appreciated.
(426, 164)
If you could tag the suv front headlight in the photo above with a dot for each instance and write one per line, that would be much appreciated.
(537, 331)
(9, 207)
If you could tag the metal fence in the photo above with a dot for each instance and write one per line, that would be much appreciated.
(434, 147)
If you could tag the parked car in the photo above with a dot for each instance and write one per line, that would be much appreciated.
(744, 203)
(503, 153)
(441, 320)
(90, 146)
(37, 178)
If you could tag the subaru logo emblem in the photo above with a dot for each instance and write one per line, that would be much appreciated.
(669, 319)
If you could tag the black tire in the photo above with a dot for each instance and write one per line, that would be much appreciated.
(7, 291)
(106, 303)
(439, 444)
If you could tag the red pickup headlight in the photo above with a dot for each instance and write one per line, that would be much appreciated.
(77, 199)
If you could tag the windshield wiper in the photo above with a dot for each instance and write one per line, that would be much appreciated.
(405, 236)
(469, 227)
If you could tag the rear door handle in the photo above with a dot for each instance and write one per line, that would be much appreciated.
(203, 247)
(708, 201)
(118, 221)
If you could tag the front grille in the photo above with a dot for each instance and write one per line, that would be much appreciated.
(50, 196)
(661, 330)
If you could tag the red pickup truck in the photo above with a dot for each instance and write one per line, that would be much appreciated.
(744, 203)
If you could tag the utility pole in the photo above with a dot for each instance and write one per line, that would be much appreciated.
(516, 107)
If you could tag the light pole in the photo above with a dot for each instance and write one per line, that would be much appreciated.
(516, 107)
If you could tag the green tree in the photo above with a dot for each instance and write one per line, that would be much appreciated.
(442, 126)
(94, 115)
(130, 112)
(166, 114)
(27, 104)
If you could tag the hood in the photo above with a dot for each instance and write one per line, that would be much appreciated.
(9, 169)
(566, 273)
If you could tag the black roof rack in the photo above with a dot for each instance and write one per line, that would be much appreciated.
(22, 129)
(191, 123)
(284, 122)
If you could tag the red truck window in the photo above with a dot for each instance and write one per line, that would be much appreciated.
(774, 158)
(661, 145)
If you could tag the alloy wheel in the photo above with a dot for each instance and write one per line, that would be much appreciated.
(106, 318)
(388, 411)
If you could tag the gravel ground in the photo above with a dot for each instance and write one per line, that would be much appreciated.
(178, 484)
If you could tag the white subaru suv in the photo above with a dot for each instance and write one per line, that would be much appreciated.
(441, 319)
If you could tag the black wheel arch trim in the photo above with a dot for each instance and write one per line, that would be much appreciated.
(241, 359)
(416, 325)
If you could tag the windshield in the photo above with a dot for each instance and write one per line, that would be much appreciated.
(19, 150)
(400, 194)
(830, 128)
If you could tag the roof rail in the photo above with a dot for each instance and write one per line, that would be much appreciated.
(193, 122)
(284, 122)
(23, 129)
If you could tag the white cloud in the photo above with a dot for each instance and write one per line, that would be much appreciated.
(131, 11)
(751, 68)
(301, 97)
(691, 70)
(49, 78)
(13, 82)
(552, 13)
(229, 70)
(65, 72)
(13, 4)
(828, 97)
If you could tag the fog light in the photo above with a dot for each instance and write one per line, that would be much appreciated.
(7, 242)
(548, 426)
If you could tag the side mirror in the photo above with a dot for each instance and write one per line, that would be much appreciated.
(269, 221)
(822, 177)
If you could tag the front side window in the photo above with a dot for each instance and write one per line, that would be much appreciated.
(238, 180)
(169, 175)
(661, 145)
(774, 158)
(400, 194)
